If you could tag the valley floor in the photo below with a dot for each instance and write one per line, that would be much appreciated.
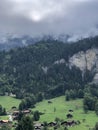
(59, 108)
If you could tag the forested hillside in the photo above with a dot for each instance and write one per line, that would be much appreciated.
(43, 67)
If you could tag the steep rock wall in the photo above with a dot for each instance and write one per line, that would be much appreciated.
(86, 61)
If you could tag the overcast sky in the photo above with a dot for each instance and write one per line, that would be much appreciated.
(37, 17)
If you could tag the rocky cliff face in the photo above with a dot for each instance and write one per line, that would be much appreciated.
(86, 61)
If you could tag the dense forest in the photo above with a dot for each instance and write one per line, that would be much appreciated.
(34, 70)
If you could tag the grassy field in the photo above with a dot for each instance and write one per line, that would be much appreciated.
(59, 108)
(8, 102)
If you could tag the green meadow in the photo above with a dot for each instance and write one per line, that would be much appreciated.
(8, 102)
(59, 108)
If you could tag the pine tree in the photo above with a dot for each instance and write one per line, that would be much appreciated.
(26, 123)
(96, 108)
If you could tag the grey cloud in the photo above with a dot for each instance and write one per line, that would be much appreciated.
(37, 17)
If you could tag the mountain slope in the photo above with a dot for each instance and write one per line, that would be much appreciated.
(49, 67)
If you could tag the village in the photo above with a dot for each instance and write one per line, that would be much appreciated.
(13, 118)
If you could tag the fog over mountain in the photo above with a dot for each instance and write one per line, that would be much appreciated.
(42, 17)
